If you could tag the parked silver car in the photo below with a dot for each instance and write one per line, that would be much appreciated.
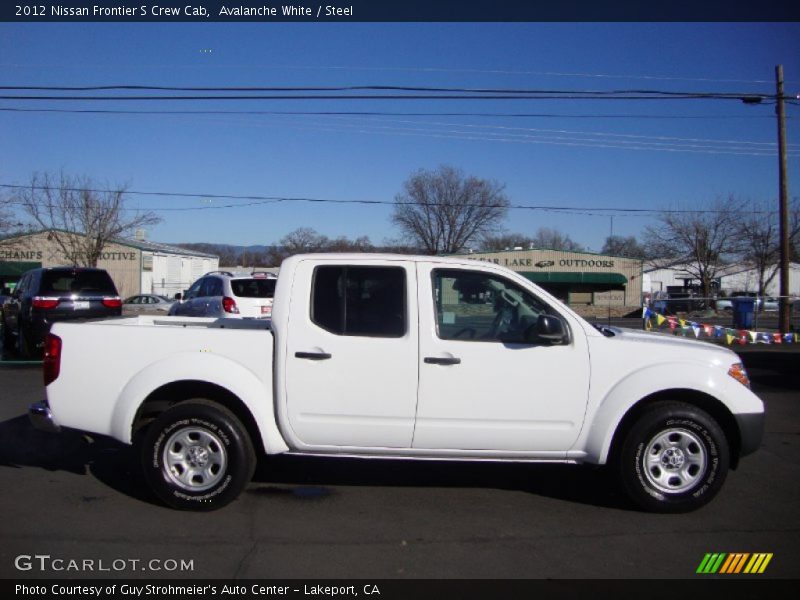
(224, 294)
(147, 304)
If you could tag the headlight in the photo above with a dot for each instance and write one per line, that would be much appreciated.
(739, 373)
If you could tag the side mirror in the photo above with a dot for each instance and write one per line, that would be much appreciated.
(549, 329)
(178, 296)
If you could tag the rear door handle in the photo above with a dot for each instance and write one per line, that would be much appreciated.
(435, 360)
(313, 355)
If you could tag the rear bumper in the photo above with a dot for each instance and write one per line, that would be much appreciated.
(41, 417)
(751, 431)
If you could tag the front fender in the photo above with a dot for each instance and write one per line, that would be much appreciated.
(255, 393)
(608, 411)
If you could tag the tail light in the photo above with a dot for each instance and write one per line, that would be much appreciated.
(52, 358)
(45, 302)
(229, 305)
(112, 301)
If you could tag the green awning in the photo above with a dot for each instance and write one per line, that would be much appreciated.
(575, 277)
(15, 269)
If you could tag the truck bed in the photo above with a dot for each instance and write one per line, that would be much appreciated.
(124, 358)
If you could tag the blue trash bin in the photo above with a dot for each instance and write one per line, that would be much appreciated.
(743, 309)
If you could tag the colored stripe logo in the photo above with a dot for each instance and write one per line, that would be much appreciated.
(734, 563)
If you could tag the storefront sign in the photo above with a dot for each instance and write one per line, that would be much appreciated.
(10, 254)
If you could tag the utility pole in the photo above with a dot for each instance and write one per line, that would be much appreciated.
(783, 204)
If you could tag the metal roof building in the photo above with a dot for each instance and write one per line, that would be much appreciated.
(136, 266)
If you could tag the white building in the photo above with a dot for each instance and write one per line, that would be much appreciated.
(168, 270)
(732, 278)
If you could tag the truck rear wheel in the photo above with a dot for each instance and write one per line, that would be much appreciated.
(674, 459)
(197, 456)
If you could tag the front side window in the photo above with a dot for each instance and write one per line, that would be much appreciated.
(476, 306)
(363, 301)
(194, 291)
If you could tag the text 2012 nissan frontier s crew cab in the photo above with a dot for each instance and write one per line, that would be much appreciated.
(381, 356)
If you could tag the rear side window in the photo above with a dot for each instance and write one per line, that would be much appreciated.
(77, 282)
(362, 301)
(253, 288)
(212, 286)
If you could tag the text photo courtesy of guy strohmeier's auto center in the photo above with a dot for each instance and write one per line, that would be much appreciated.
(411, 322)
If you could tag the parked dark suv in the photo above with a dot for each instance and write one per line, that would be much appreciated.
(44, 296)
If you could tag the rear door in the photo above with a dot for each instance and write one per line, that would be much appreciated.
(351, 355)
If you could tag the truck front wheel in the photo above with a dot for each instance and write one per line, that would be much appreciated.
(674, 459)
(197, 456)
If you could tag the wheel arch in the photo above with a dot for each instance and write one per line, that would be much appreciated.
(177, 392)
(166, 382)
(715, 408)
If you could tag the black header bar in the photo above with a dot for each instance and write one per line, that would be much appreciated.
(349, 11)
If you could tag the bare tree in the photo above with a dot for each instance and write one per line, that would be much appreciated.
(759, 240)
(702, 241)
(398, 246)
(553, 239)
(444, 210)
(629, 247)
(9, 223)
(306, 239)
(506, 241)
(545, 237)
(82, 220)
(344, 244)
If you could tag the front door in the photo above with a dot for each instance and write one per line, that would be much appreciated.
(351, 355)
(485, 383)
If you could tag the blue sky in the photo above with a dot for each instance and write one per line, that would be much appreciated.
(660, 154)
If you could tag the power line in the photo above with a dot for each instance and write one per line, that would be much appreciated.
(471, 71)
(377, 97)
(376, 113)
(589, 133)
(431, 94)
(522, 138)
(261, 199)
(382, 88)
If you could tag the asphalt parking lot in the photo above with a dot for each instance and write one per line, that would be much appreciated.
(72, 498)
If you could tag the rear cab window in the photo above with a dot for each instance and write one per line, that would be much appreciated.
(360, 301)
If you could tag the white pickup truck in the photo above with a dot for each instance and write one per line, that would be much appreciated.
(385, 356)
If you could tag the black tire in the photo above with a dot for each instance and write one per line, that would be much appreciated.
(197, 456)
(674, 458)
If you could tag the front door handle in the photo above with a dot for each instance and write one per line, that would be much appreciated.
(435, 360)
(313, 355)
